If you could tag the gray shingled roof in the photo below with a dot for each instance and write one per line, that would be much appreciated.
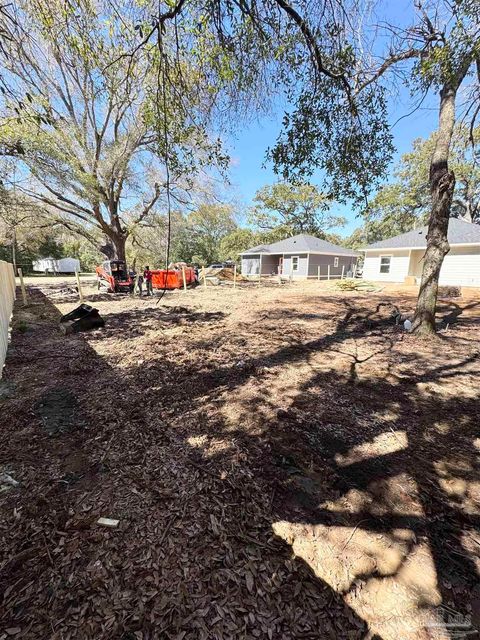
(459, 232)
(302, 243)
(262, 248)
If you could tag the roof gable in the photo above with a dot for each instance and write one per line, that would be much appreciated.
(459, 232)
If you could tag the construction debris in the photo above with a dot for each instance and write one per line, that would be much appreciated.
(108, 522)
(449, 292)
(349, 284)
(63, 292)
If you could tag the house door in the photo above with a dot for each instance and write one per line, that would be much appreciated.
(280, 266)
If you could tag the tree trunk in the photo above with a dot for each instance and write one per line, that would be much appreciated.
(114, 247)
(468, 217)
(115, 235)
(118, 235)
(119, 247)
(442, 184)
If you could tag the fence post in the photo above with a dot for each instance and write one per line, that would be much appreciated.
(318, 274)
(329, 272)
(260, 270)
(234, 276)
(204, 277)
(184, 278)
(22, 285)
(355, 270)
(343, 271)
(80, 292)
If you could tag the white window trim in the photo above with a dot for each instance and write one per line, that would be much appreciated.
(384, 255)
(298, 263)
(336, 261)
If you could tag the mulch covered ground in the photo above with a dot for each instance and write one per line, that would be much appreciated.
(284, 462)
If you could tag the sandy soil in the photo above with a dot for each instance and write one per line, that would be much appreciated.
(284, 462)
(58, 281)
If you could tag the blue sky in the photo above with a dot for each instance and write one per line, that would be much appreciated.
(249, 146)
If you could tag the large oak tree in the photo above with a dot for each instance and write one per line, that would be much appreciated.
(297, 208)
(83, 118)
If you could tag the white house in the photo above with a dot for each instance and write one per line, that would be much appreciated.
(301, 256)
(395, 259)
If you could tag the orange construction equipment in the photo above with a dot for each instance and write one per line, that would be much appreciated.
(172, 278)
(113, 276)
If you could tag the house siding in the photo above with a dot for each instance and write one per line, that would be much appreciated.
(323, 261)
(307, 265)
(461, 266)
(399, 264)
(302, 265)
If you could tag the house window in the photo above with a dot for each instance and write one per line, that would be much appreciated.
(335, 262)
(385, 264)
(294, 263)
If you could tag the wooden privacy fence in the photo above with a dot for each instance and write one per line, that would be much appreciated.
(7, 296)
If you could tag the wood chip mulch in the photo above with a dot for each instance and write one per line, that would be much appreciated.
(193, 555)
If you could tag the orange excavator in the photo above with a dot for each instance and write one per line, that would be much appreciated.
(113, 276)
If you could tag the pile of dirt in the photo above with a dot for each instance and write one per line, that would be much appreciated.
(226, 273)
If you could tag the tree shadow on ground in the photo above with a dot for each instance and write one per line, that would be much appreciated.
(454, 313)
(348, 460)
(437, 508)
(64, 577)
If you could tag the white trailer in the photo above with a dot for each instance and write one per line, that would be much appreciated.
(52, 265)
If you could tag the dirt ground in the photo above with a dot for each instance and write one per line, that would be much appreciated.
(284, 462)
(57, 281)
